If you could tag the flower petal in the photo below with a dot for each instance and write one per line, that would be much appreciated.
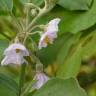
(13, 58)
(50, 34)
(15, 46)
(41, 79)
(53, 25)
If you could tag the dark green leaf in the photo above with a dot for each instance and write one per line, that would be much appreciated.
(71, 65)
(8, 83)
(75, 4)
(4, 91)
(78, 21)
(6, 5)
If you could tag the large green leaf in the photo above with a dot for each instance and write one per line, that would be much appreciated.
(89, 45)
(8, 84)
(60, 87)
(66, 47)
(75, 4)
(4, 91)
(6, 5)
(78, 21)
(71, 66)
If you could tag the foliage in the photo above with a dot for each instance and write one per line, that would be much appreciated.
(75, 44)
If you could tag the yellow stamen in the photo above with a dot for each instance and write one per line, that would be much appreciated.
(18, 50)
(46, 40)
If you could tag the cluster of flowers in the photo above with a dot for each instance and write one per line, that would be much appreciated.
(15, 53)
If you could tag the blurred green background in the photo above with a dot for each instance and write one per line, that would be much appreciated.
(73, 54)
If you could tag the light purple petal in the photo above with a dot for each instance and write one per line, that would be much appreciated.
(51, 33)
(41, 79)
(13, 58)
(15, 46)
(53, 25)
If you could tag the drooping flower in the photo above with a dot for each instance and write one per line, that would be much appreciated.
(41, 78)
(50, 33)
(14, 54)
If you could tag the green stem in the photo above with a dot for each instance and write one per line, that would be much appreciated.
(34, 27)
(33, 5)
(36, 32)
(27, 22)
(29, 29)
(25, 38)
(41, 13)
(22, 78)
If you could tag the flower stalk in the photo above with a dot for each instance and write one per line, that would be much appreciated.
(41, 13)
(22, 78)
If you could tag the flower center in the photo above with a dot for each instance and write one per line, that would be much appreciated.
(18, 50)
(46, 40)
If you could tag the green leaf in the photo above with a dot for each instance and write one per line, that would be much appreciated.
(71, 65)
(77, 21)
(37, 2)
(60, 87)
(75, 4)
(4, 44)
(6, 5)
(28, 88)
(89, 46)
(8, 83)
(6, 92)
(66, 47)
(59, 50)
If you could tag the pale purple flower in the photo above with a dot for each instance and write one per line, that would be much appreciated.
(16, 47)
(41, 79)
(14, 54)
(50, 33)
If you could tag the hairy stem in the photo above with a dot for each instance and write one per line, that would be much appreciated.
(33, 6)
(41, 13)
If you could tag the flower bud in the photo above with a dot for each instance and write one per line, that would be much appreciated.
(40, 77)
(34, 12)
